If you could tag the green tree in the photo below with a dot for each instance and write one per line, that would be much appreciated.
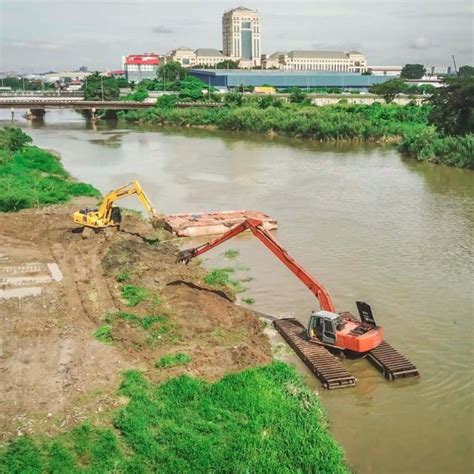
(191, 88)
(166, 101)
(234, 99)
(453, 106)
(466, 71)
(150, 85)
(413, 71)
(389, 90)
(16, 83)
(97, 87)
(171, 71)
(269, 101)
(228, 64)
(13, 139)
(138, 95)
(426, 89)
(123, 83)
(13, 82)
(297, 96)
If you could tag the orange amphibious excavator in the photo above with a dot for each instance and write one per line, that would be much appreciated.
(326, 327)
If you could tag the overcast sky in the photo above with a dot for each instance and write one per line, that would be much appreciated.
(40, 35)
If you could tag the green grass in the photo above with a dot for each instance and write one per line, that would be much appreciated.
(145, 322)
(32, 177)
(220, 277)
(231, 253)
(173, 360)
(104, 334)
(259, 420)
(248, 300)
(123, 276)
(158, 327)
(134, 295)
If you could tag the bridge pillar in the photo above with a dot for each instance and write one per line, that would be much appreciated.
(35, 114)
(12, 110)
(93, 116)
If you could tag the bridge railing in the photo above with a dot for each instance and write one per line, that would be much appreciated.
(41, 94)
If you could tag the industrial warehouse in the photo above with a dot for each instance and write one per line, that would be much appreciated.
(233, 78)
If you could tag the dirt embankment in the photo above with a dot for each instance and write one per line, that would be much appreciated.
(57, 289)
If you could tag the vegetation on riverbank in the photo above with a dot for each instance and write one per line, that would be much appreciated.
(32, 177)
(350, 122)
(447, 117)
(259, 420)
(430, 145)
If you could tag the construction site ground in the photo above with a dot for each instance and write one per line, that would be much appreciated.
(57, 289)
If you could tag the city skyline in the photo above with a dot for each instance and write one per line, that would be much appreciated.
(48, 34)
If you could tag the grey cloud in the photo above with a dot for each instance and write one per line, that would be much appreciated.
(339, 45)
(421, 43)
(162, 30)
(98, 33)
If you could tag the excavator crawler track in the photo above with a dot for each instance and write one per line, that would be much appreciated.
(319, 360)
(391, 363)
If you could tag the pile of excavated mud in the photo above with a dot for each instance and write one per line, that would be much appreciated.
(75, 313)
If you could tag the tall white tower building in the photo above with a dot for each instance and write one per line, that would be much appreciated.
(241, 35)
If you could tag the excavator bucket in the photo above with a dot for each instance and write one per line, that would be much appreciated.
(157, 221)
(365, 313)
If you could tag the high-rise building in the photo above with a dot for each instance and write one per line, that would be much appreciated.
(241, 35)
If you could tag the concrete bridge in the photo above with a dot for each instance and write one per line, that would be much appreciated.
(37, 106)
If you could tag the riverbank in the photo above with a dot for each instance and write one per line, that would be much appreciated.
(405, 125)
(126, 345)
(32, 177)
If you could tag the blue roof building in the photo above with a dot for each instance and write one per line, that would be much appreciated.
(231, 78)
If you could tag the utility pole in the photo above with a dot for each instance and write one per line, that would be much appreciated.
(455, 67)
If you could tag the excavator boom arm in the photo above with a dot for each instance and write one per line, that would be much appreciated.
(120, 193)
(257, 229)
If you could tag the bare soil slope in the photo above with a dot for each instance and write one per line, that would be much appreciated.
(57, 289)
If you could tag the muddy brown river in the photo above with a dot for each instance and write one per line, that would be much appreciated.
(367, 223)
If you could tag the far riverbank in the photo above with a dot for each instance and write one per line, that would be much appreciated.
(407, 126)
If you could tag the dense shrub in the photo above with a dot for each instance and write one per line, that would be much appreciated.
(269, 114)
(429, 145)
(32, 177)
(166, 101)
(138, 95)
(453, 106)
(13, 139)
(408, 123)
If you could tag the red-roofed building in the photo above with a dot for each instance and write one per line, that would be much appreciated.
(141, 66)
(116, 74)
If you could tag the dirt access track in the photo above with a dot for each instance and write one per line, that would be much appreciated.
(57, 289)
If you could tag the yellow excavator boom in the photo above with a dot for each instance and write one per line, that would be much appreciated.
(108, 215)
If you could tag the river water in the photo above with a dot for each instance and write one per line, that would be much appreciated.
(367, 223)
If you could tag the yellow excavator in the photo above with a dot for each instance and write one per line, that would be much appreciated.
(108, 215)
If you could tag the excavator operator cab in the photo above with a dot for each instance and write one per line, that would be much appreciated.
(115, 215)
(324, 325)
